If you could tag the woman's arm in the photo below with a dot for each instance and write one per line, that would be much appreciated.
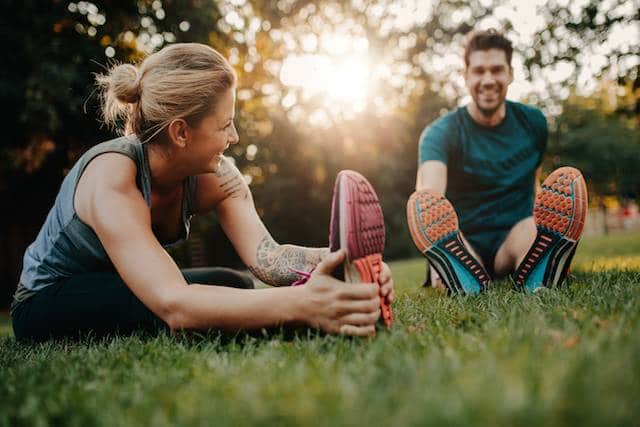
(273, 263)
(278, 264)
(116, 211)
(324, 303)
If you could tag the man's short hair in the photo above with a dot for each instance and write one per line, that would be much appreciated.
(485, 40)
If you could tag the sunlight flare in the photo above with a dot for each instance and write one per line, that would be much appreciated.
(344, 82)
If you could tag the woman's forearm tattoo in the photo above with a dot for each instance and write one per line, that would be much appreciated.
(277, 264)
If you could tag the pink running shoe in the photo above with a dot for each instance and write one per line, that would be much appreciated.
(357, 225)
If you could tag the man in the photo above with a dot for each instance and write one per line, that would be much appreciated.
(485, 159)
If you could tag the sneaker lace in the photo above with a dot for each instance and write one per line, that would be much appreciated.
(304, 276)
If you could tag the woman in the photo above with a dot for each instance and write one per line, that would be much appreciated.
(98, 263)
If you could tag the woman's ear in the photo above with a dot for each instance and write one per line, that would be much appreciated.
(179, 132)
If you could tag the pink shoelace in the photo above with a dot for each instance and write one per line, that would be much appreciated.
(304, 276)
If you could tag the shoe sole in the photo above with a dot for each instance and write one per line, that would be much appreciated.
(559, 212)
(433, 225)
(357, 225)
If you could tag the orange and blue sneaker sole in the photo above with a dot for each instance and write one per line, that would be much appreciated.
(433, 225)
(357, 225)
(559, 212)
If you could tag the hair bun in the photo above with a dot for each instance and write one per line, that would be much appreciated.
(125, 83)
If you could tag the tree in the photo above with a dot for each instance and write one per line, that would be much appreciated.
(593, 135)
(47, 79)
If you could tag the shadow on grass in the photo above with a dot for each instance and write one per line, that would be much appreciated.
(5, 325)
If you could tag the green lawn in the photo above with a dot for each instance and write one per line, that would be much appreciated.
(562, 357)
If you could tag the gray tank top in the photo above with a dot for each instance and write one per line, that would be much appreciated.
(65, 245)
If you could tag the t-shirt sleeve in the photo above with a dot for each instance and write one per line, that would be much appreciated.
(435, 143)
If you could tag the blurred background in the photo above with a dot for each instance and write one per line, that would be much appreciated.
(323, 86)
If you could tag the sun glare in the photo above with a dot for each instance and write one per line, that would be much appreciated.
(348, 81)
(332, 73)
(342, 85)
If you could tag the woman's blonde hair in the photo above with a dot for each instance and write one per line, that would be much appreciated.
(182, 80)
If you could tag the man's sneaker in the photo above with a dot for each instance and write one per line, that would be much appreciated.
(434, 228)
(559, 212)
(357, 225)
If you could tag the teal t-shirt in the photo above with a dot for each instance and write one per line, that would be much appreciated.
(490, 171)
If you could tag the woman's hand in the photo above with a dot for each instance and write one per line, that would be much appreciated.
(339, 308)
(386, 283)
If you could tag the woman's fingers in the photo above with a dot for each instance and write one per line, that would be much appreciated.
(361, 319)
(330, 262)
(362, 306)
(358, 331)
(348, 309)
(385, 274)
(386, 283)
(358, 291)
(386, 292)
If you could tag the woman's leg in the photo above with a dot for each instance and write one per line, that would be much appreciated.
(96, 303)
(218, 276)
(100, 304)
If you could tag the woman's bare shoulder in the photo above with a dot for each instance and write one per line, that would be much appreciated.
(107, 173)
(110, 170)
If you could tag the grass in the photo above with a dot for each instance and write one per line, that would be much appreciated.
(563, 357)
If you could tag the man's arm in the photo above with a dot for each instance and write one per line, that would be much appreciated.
(435, 144)
(432, 175)
(537, 187)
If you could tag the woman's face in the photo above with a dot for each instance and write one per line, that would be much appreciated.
(215, 133)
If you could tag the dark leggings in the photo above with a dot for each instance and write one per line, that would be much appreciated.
(100, 304)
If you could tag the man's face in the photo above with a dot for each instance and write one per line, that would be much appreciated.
(487, 77)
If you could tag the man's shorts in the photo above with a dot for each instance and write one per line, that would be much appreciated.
(486, 245)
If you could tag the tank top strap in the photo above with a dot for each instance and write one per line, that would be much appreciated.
(190, 196)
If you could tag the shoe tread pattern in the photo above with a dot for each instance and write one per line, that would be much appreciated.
(433, 225)
(365, 230)
(559, 212)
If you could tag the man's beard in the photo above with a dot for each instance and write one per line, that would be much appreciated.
(489, 112)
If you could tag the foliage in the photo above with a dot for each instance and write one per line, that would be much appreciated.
(596, 135)
(53, 118)
(573, 34)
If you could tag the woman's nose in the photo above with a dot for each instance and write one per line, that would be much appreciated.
(234, 136)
